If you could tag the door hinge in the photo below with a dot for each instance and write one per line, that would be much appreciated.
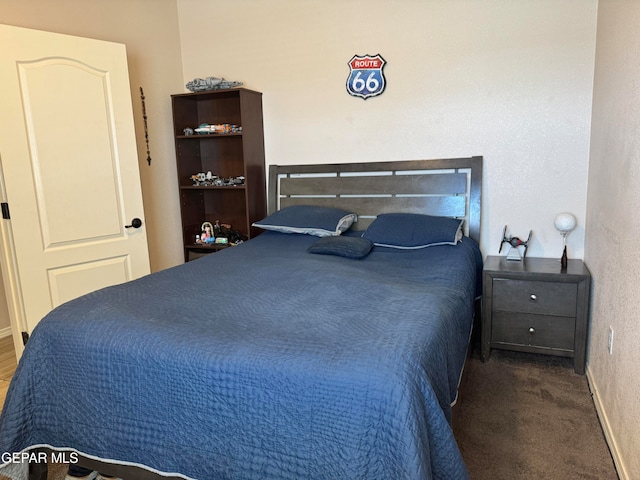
(5, 210)
(25, 338)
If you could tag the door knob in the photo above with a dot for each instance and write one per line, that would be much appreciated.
(135, 223)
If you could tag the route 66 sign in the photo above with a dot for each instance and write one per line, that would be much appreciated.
(366, 78)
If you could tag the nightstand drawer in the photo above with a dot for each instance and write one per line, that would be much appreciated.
(533, 330)
(543, 298)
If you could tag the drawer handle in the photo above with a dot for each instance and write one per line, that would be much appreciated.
(533, 297)
(532, 330)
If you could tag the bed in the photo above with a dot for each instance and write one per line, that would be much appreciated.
(292, 355)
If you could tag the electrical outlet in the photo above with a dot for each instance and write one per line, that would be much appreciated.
(610, 340)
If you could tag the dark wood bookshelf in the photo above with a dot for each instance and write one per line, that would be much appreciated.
(225, 155)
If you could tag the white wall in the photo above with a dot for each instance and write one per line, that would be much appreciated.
(613, 230)
(509, 80)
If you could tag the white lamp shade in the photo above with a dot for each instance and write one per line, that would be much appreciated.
(565, 223)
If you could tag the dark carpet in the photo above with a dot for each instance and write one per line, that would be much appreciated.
(524, 416)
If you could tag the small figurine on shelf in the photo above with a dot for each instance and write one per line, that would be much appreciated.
(207, 235)
(202, 179)
(219, 234)
(217, 229)
(210, 83)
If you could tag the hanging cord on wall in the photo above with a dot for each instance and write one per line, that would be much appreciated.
(146, 130)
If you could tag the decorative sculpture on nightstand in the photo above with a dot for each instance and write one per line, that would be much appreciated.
(515, 242)
(564, 223)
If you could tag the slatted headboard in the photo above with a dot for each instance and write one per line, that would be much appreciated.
(445, 187)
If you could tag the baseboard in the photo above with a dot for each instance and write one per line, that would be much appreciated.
(606, 428)
(5, 332)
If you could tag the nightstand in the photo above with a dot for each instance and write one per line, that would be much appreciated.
(535, 306)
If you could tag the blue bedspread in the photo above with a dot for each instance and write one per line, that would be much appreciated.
(260, 361)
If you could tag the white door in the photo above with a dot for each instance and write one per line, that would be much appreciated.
(69, 172)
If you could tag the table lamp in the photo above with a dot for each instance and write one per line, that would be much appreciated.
(564, 223)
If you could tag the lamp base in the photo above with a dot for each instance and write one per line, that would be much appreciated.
(563, 260)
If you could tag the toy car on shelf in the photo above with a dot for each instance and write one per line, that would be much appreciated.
(208, 129)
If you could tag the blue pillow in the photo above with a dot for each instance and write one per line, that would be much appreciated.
(308, 219)
(411, 230)
(350, 247)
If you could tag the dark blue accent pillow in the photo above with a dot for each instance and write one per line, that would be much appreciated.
(412, 230)
(350, 247)
(308, 219)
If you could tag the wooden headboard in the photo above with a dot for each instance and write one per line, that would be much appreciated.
(444, 187)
